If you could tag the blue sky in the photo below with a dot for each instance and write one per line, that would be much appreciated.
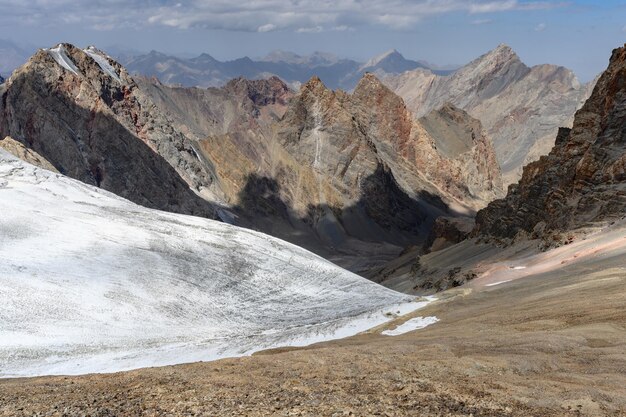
(578, 34)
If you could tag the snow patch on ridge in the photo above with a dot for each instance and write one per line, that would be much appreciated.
(59, 54)
(103, 61)
(95, 283)
(498, 283)
(410, 325)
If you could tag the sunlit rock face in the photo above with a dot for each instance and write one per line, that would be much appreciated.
(582, 180)
(520, 107)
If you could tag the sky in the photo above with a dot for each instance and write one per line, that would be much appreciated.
(578, 34)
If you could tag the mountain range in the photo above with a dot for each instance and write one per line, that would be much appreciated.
(147, 224)
(320, 168)
(520, 107)
(206, 71)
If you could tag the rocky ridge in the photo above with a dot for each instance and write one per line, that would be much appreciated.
(83, 113)
(20, 151)
(582, 180)
(520, 107)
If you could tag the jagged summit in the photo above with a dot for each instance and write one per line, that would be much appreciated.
(370, 87)
(81, 62)
(314, 84)
(261, 92)
(392, 53)
(582, 180)
(521, 107)
(391, 62)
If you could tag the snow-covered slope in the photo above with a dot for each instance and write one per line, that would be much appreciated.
(90, 282)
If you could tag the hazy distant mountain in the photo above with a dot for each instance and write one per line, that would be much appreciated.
(315, 59)
(11, 57)
(294, 69)
(521, 107)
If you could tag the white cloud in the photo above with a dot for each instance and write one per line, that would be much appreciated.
(540, 27)
(253, 15)
(267, 28)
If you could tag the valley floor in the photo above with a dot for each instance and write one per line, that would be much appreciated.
(552, 344)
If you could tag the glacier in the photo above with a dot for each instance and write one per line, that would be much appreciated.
(59, 54)
(103, 62)
(90, 282)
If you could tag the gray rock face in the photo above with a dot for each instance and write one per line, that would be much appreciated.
(582, 180)
(17, 149)
(520, 107)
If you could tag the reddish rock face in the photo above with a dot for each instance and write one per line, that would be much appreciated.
(582, 180)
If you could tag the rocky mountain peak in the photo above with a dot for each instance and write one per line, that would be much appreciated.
(371, 85)
(502, 52)
(390, 54)
(316, 90)
(89, 119)
(261, 92)
(89, 63)
(581, 181)
(314, 83)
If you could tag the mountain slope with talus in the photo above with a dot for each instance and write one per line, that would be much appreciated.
(520, 107)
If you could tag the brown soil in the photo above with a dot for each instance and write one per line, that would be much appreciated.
(547, 345)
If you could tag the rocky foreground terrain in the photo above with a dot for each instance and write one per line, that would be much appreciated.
(520, 107)
(549, 344)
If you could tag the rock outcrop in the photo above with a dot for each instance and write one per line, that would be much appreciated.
(17, 149)
(520, 107)
(582, 180)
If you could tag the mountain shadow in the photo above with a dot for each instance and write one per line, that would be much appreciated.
(384, 215)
